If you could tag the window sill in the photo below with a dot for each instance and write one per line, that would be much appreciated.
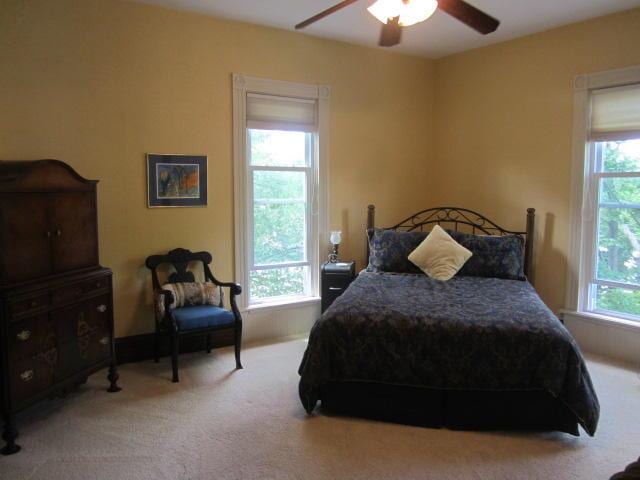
(599, 318)
(282, 304)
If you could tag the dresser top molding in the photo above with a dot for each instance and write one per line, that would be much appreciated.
(41, 175)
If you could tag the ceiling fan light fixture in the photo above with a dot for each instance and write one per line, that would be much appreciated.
(409, 11)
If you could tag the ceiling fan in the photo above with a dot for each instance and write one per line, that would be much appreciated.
(395, 14)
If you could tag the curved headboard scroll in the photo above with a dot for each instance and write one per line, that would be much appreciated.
(461, 219)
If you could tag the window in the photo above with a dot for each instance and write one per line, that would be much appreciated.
(615, 284)
(281, 185)
(610, 267)
(278, 191)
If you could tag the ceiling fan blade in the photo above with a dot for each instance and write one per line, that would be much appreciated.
(469, 15)
(391, 33)
(325, 13)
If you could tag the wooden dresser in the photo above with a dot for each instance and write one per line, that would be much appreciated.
(56, 305)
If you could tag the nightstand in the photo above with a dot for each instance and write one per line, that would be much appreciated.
(335, 279)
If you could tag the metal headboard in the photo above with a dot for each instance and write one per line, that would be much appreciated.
(457, 218)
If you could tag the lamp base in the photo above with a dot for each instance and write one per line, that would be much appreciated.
(333, 256)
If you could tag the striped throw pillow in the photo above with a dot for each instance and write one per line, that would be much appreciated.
(188, 294)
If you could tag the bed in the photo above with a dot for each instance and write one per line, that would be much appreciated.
(473, 353)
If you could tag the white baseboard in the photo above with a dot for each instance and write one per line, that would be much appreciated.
(603, 337)
(271, 323)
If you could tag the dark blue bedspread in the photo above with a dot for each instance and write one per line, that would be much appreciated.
(468, 333)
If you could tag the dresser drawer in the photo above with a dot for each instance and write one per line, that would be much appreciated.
(25, 305)
(336, 289)
(72, 292)
(339, 281)
(30, 336)
(334, 285)
(30, 376)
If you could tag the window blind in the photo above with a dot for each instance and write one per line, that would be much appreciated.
(266, 112)
(615, 114)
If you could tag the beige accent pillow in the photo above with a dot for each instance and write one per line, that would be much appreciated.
(189, 294)
(439, 255)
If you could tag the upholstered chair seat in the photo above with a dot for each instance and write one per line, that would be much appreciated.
(202, 316)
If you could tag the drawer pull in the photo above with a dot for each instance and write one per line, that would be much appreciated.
(58, 233)
(26, 376)
(104, 340)
(98, 285)
(335, 289)
(102, 308)
(24, 335)
(33, 303)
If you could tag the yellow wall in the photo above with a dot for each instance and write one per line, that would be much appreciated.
(100, 83)
(503, 129)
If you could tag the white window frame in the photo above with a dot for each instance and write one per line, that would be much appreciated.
(317, 193)
(584, 196)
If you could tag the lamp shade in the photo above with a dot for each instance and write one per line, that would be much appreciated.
(410, 12)
(336, 237)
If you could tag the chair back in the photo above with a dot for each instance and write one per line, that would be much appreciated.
(179, 258)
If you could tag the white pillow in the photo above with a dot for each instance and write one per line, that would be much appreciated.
(439, 255)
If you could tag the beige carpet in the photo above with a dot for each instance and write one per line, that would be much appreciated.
(248, 424)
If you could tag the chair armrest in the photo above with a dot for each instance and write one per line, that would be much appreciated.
(168, 298)
(235, 288)
(166, 319)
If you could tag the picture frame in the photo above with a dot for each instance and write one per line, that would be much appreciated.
(176, 180)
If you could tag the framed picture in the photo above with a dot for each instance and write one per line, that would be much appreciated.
(176, 180)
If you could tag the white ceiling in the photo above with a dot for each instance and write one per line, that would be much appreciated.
(440, 35)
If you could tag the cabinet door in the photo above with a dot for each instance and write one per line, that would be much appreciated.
(96, 338)
(25, 250)
(84, 335)
(75, 236)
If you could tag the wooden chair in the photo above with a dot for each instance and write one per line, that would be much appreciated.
(192, 320)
